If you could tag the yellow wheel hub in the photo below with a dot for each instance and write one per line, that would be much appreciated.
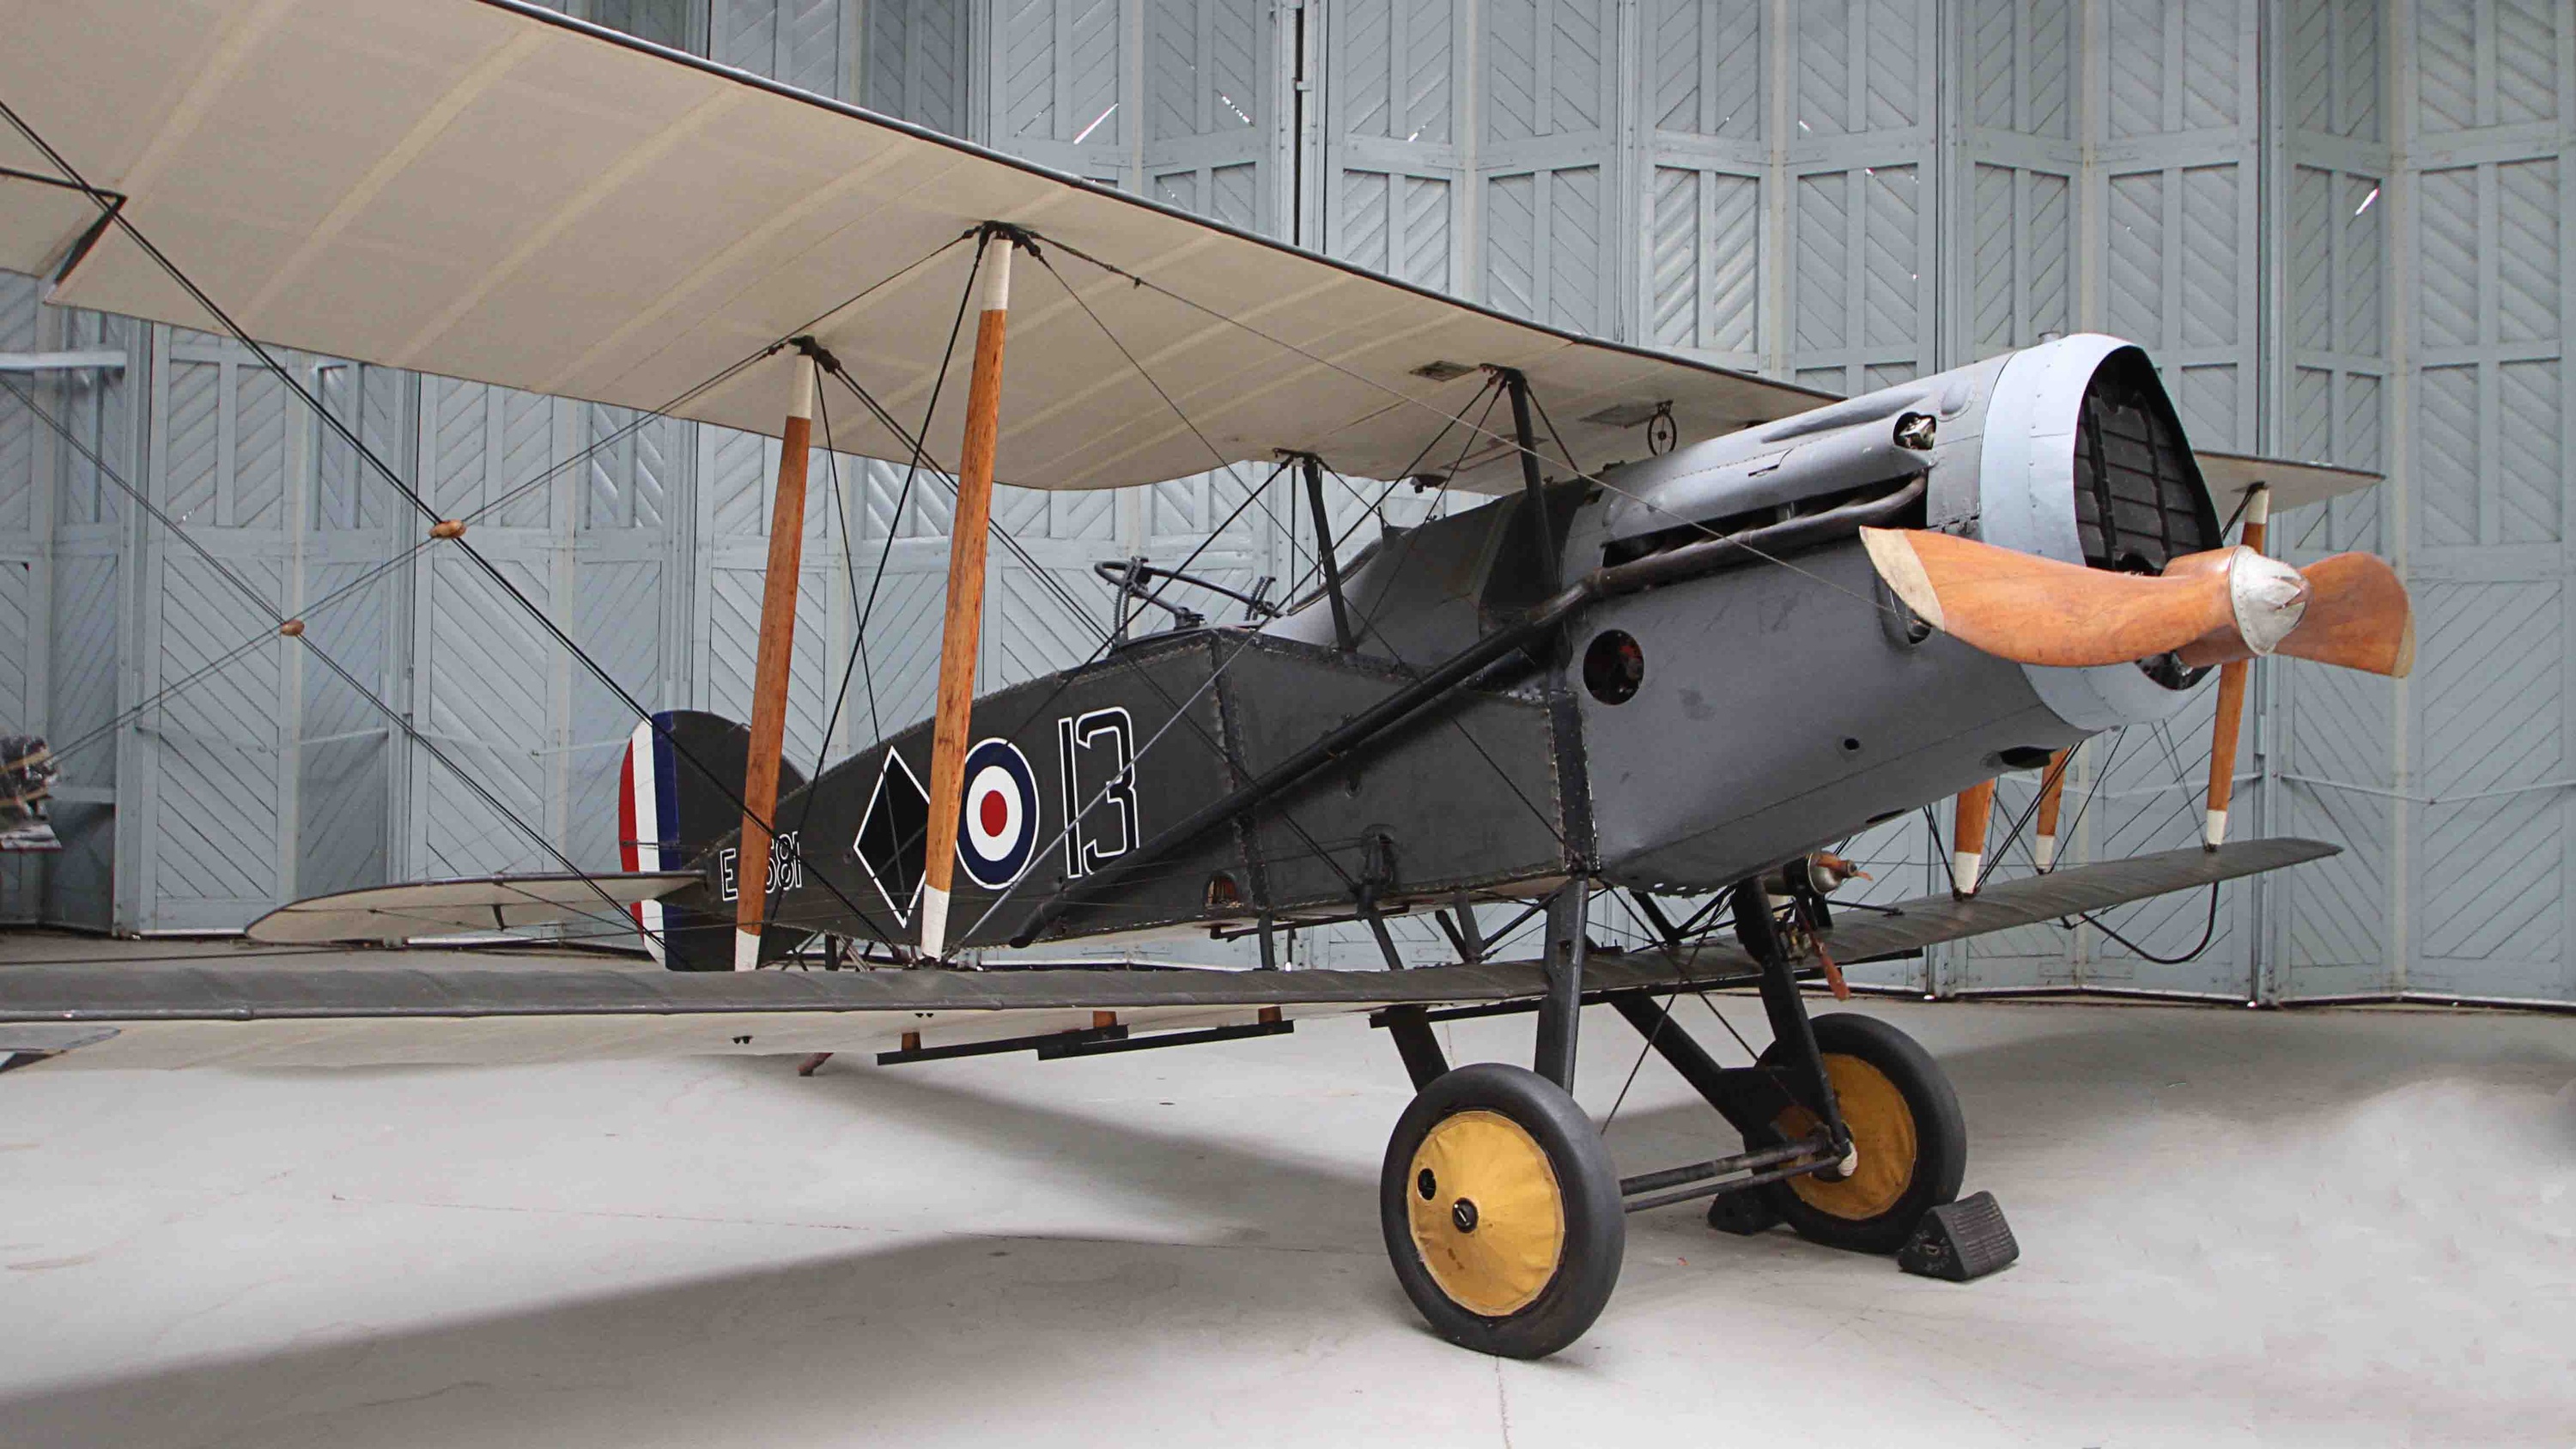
(1488, 1217)
(1882, 1131)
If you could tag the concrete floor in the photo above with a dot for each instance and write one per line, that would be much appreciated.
(2345, 1228)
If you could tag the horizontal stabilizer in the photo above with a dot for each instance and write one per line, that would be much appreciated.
(374, 1009)
(455, 907)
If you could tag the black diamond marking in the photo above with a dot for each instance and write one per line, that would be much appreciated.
(893, 837)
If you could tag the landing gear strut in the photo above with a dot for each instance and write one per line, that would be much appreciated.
(1505, 1218)
(1499, 1202)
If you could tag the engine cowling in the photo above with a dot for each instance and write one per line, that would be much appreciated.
(2069, 450)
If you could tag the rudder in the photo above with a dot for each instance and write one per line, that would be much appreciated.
(680, 792)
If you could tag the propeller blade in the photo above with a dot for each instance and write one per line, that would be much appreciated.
(2035, 610)
(2358, 617)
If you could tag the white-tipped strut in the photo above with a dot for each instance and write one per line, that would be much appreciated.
(2258, 508)
(934, 922)
(2214, 829)
(746, 950)
(1965, 866)
(2043, 849)
(997, 272)
(800, 393)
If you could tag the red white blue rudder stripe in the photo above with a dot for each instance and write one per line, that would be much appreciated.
(648, 818)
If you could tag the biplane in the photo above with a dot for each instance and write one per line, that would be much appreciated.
(1699, 627)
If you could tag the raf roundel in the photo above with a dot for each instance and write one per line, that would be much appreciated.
(998, 835)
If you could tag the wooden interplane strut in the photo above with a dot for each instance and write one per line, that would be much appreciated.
(2231, 693)
(770, 668)
(961, 632)
(1968, 837)
(2052, 800)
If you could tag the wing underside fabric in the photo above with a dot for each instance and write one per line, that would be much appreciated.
(679, 216)
(343, 1009)
(357, 178)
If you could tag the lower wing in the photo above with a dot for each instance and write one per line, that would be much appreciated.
(431, 1007)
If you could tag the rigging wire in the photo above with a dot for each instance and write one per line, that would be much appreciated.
(1369, 623)
(859, 635)
(362, 581)
(2048, 779)
(1180, 709)
(1511, 443)
(1223, 464)
(261, 602)
(116, 216)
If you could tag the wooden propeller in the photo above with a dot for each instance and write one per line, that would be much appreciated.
(2224, 607)
(2213, 607)
(2358, 617)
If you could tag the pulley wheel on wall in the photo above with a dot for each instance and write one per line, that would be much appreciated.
(1501, 1211)
(1905, 1124)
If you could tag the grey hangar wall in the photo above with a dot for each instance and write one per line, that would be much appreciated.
(2341, 227)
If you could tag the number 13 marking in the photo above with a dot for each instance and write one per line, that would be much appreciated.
(1074, 735)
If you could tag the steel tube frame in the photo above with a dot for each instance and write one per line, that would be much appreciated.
(1721, 1166)
(1560, 1012)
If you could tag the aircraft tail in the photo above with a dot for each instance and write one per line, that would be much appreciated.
(680, 792)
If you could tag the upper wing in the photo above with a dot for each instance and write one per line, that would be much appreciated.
(2293, 485)
(454, 907)
(488, 190)
(111, 1014)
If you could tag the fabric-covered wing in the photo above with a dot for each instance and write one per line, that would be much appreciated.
(383, 1008)
(455, 907)
(488, 190)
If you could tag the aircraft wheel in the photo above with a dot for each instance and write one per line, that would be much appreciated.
(1501, 1211)
(1905, 1123)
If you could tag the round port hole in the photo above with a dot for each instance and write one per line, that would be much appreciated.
(1613, 666)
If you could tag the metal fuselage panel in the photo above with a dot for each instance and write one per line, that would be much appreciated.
(1465, 796)
(1781, 711)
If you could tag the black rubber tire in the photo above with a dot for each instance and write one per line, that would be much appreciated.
(1596, 1227)
(1940, 1136)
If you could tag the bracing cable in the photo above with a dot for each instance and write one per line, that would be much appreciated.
(358, 446)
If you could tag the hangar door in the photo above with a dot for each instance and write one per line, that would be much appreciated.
(2342, 227)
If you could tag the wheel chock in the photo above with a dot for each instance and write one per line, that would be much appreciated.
(1960, 1241)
